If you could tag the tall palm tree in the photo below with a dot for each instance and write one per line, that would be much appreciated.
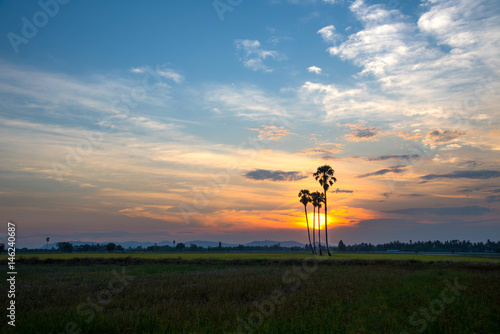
(321, 199)
(324, 175)
(47, 245)
(315, 196)
(305, 198)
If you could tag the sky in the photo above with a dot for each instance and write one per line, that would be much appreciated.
(202, 120)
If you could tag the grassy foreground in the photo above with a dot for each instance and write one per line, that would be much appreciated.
(266, 293)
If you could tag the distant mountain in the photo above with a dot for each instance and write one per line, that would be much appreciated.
(206, 244)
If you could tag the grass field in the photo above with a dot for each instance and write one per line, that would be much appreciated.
(272, 256)
(256, 292)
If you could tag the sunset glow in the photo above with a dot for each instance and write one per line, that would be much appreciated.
(185, 126)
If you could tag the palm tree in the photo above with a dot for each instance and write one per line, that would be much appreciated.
(305, 198)
(315, 196)
(47, 245)
(321, 199)
(324, 175)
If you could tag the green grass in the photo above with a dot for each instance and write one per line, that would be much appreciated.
(270, 256)
(355, 294)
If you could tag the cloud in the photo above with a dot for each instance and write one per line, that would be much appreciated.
(325, 152)
(339, 191)
(460, 211)
(252, 55)
(409, 136)
(271, 132)
(314, 69)
(161, 71)
(328, 34)
(493, 198)
(412, 195)
(276, 175)
(394, 157)
(468, 174)
(394, 169)
(362, 133)
(248, 102)
(438, 137)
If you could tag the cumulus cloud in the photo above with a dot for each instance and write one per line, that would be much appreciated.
(253, 56)
(394, 169)
(314, 69)
(274, 175)
(271, 132)
(468, 174)
(328, 34)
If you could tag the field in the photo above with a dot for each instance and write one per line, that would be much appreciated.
(256, 292)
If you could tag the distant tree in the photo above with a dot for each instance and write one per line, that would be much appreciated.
(220, 244)
(47, 244)
(119, 248)
(110, 247)
(193, 247)
(342, 246)
(324, 175)
(180, 245)
(305, 198)
(65, 247)
(2, 247)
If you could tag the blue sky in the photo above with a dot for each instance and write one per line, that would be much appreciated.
(202, 119)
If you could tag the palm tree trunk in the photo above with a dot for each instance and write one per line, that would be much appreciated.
(326, 230)
(314, 230)
(308, 232)
(319, 234)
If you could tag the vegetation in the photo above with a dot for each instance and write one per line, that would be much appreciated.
(305, 198)
(324, 175)
(233, 295)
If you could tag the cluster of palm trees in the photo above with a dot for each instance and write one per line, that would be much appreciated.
(324, 175)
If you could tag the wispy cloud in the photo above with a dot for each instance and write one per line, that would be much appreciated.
(438, 137)
(394, 169)
(458, 211)
(468, 174)
(362, 132)
(271, 132)
(252, 55)
(342, 191)
(274, 175)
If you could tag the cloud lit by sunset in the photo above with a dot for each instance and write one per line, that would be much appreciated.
(189, 127)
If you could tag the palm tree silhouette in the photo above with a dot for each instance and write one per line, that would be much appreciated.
(321, 199)
(305, 198)
(315, 196)
(324, 175)
(47, 245)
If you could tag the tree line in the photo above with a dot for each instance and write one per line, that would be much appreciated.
(451, 246)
